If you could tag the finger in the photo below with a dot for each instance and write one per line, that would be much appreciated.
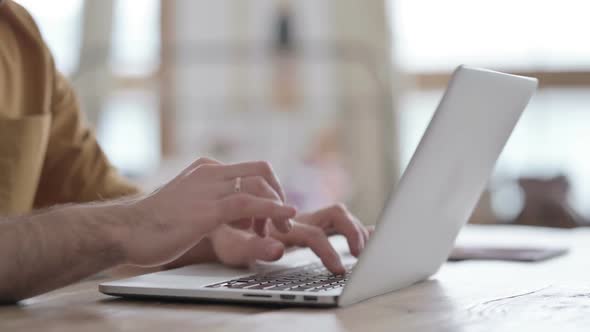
(342, 222)
(362, 230)
(258, 177)
(245, 223)
(283, 225)
(260, 227)
(256, 168)
(255, 185)
(239, 248)
(240, 206)
(315, 238)
(258, 186)
(365, 232)
(362, 241)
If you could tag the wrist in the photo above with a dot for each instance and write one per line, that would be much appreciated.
(93, 228)
(120, 228)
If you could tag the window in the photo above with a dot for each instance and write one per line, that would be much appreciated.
(525, 34)
(545, 39)
(131, 111)
(129, 131)
(136, 37)
(60, 22)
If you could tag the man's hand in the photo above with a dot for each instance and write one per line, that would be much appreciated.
(64, 244)
(176, 217)
(239, 248)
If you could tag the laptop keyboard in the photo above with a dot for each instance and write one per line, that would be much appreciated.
(307, 278)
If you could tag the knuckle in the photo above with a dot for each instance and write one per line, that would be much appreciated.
(341, 206)
(264, 167)
(203, 160)
(340, 209)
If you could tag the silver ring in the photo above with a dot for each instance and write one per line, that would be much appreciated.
(238, 185)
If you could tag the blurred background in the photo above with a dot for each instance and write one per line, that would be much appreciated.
(335, 93)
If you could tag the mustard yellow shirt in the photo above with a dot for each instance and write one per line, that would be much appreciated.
(47, 153)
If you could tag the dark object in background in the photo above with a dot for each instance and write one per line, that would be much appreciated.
(515, 254)
(284, 30)
(286, 94)
(545, 203)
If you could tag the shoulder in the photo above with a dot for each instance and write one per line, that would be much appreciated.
(22, 19)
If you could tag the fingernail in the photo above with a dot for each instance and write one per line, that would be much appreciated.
(289, 225)
(274, 250)
(290, 211)
(337, 267)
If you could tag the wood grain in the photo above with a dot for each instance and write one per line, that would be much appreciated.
(465, 296)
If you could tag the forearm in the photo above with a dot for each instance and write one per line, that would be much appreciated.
(51, 249)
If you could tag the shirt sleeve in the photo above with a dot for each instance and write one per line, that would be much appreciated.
(75, 168)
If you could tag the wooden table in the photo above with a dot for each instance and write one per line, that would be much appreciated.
(464, 296)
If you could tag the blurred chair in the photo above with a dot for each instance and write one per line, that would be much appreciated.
(545, 203)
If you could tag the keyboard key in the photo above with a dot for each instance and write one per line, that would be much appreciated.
(280, 287)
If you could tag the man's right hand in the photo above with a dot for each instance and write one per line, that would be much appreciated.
(162, 226)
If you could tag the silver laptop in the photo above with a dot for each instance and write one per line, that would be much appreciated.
(417, 227)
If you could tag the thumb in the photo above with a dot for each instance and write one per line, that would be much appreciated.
(240, 248)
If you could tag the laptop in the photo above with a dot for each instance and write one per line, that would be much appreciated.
(418, 225)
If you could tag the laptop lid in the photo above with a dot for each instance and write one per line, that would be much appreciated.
(442, 183)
